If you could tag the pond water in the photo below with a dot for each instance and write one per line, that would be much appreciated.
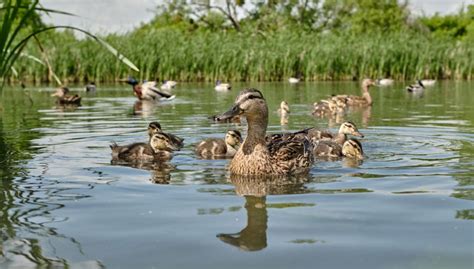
(408, 205)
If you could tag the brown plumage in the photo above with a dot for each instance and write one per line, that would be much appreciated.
(218, 148)
(159, 147)
(155, 128)
(354, 100)
(351, 148)
(62, 97)
(255, 157)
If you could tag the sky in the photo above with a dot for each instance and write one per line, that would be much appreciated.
(119, 16)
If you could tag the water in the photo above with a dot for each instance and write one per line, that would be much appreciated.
(408, 205)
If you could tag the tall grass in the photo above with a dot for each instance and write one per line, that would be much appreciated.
(203, 56)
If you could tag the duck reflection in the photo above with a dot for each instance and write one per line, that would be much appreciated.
(254, 236)
(144, 108)
(160, 172)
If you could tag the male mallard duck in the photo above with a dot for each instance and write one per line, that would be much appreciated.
(64, 99)
(148, 90)
(384, 82)
(160, 147)
(215, 147)
(293, 80)
(354, 100)
(91, 87)
(418, 87)
(352, 148)
(168, 85)
(155, 128)
(255, 157)
(222, 86)
(428, 82)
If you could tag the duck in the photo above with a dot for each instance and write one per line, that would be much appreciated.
(257, 158)
(351, 148)
(159, 147)
(148, 90)
(62, 97)
(384, 82)
(293, 80)
(155, 128)
(428, 82)
(325, 108)
(168, 85)
(222, 86)
(215, 147)
(354, 100)
(91, 87)
(283, 111)
(418, 87)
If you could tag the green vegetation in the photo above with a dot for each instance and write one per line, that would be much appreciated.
(272, 40)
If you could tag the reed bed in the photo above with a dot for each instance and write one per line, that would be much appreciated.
(205, 56)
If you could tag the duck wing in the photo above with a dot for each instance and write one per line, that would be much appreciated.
(291, 155)
(150, 88)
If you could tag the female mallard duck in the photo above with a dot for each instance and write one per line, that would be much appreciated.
(222, 86)
(354, 100)
(352, 148)
(418, 87)
(64, 99)
(255, 157)
(148, 90)
(155, 128)
(215, 147)
(160, 147)
(168, 85)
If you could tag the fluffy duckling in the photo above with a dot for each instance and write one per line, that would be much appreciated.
(354, 100)
(325, 108)
(168, 85)
(256, 157)
(64, 99)
(160, 147)
(384, 82)
(215, 147)
(284, 112)
(148, 90)
(222, 86)
(352, 148)
(418, 87)
(155, 128)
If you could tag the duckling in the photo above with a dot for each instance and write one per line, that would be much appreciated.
(352, 148)
(324, 108)
(215, 147)
(64, 99)
(168, 85)
(428, 82)
(384, 82)
(155, 128)
(257, 158)
(160, 147)
(222, 86)
(148, 90)
(418, 87)
(91, 87)
(283, 111)
(354, 100)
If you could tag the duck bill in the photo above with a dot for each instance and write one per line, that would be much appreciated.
(359, 134)
(234, 111)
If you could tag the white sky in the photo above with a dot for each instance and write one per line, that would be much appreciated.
(107, 16)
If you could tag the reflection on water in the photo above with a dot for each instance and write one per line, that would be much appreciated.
(64, 204)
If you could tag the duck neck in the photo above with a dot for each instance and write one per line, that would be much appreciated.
(257, 129)
(137, 90)
(340, 138)
(366, 94)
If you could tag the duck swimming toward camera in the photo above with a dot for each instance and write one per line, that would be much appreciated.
(64, 99)
(148, 90)
(215, 147)
(159, 147)
(352, 148)
(155, 128)
(257, 158)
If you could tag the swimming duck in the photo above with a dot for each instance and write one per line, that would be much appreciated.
(155, 128)
(148, 90)
(222, 86)
(159, 147)
(91, 87)
(215, 147)
(428, 82)
(418, 87)
(351, 148)
(168, 85)
(384, 82)
(257, 158)
(293, 80)
(283, 111)
(325, 108)
(354, 100)
(64, 99)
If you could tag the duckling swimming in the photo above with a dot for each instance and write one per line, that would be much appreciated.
(160, 147)
(214, 147)
(283, 111)
(257, 158)
(352, 148)
(64, 99)
(155, 128)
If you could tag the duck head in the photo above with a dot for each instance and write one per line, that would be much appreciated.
(154, 128)
(349, 128)
(249, 103)
(367, 82)
(233, 138)
(130, 80)
(162, 141)
(352, 148)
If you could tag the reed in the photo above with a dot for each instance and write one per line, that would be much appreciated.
(204, 56)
